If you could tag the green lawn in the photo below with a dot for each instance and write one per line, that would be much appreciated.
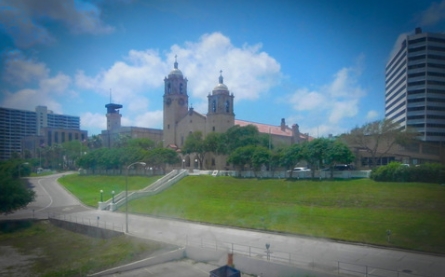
(43, 250)
(87, 188)
(352, 210)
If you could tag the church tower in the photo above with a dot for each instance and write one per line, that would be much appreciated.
(175, 103)
(220, 115)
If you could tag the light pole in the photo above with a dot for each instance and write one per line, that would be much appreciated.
(183, 161)
(112, 195)
(101, 197)
(126, 194)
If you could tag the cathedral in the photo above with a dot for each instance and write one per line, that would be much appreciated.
(180, 120)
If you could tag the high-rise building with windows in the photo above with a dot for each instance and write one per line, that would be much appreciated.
(415, 85)
(27, 130)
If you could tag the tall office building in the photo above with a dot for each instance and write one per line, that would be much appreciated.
(415, 85)
(20, 130)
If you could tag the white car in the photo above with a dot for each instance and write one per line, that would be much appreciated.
(300, 169)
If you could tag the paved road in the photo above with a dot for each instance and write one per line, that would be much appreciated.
(51, 198)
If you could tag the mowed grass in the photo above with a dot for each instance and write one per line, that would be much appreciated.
(87, 188)
(46, 250)
(350, 210)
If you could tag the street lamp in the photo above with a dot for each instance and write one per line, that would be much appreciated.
(112, 195)
(20, 167)
(126, 194)
(183, 161)
(101, 197)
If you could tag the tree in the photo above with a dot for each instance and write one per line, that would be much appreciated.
(242, 156)
(314, 152)
(159, 157)
(14, 194)
(261, 156)
(337, 153)
(291, 156)
(237, 136)
(378, 138)
(95, 142)
(194, 143)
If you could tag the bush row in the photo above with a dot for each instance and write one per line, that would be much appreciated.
(396, 172)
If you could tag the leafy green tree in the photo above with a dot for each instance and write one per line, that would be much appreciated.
(143, 143)
(291, 156)
(194, 143)
(95, 142)
(14, 194)
(160, 157)
(215, 143)
(261, 156)
(314, 152)
(238, 136)
(337, 153)
(242, 156)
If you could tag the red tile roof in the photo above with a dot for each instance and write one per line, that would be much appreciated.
(266, 129)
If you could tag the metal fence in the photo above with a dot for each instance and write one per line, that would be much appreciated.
(336, 267)
(89, 222)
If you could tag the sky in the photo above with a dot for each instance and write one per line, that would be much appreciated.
(319, 64)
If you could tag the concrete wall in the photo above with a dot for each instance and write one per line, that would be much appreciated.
(91, 231)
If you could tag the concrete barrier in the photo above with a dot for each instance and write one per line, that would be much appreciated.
(92, 231)
(174, 255)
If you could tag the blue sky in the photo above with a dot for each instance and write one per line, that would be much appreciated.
(319, 64)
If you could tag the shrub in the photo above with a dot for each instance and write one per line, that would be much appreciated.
(395, 172)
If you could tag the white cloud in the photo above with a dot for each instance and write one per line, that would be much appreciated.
(433, 15)
(333, 103)
(41, 87)
(372, 115)
(28, 99)
(150, 120)
(304, 100)
(247, 72)
(21, 71)
(24, 20)
(93, 121)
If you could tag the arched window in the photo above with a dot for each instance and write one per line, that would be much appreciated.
(169, 88)
(180, 89)
(227, 106)
(214, 106)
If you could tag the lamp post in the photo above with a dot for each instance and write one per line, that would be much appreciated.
(112, 195)
(20, 167)
(126, 194)
(101, 196)
(183, 161)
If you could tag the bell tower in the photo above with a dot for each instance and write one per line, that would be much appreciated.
(175, 103)
(220, 114)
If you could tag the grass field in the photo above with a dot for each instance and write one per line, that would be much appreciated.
(87, 188)
(40, 249)
(351, 210)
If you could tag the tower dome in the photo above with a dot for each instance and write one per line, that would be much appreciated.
(175, 71)
(220, 87)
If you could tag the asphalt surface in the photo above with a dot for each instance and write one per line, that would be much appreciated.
(53, 199)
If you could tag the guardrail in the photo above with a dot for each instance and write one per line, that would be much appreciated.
(158, 186)
(336, 267)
